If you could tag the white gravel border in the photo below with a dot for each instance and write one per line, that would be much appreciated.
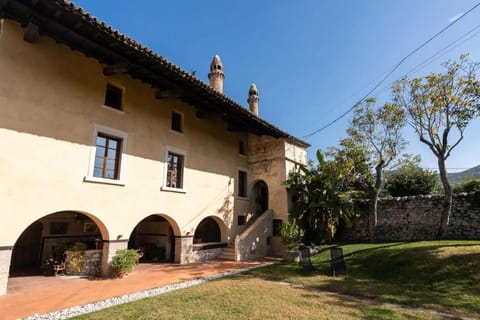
(107, 303)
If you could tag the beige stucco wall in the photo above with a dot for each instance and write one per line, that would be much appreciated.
(51, 98)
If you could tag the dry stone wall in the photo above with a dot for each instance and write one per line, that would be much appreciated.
(417, 218)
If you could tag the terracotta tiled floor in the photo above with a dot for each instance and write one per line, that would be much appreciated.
(39, 294)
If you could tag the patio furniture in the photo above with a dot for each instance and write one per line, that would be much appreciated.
(338, 263)
(305, 260)
(59, 268)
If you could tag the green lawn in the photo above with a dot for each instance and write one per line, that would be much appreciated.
(439, 275)
(442, 276)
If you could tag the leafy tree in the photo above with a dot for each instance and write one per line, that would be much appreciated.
(378, 133)
(439, 108)
(322, 197)
(291, 235)
(467, 186)
(411, 183)
(410, 180)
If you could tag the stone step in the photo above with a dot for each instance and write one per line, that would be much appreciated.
(228, 253)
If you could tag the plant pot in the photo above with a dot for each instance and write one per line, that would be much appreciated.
(291, 256)
(120, 273)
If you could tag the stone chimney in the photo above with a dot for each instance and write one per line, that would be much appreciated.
(253, 99)
(216, 74)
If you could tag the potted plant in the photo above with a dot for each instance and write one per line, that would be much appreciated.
(47, 266)
(124, 261)
(291, 235)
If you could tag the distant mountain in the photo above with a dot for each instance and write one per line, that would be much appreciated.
(468, 174)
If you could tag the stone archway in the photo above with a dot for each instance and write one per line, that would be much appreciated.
(209, 239)
(155, 236)
(207, 231)
(260, 197)
(50, 236)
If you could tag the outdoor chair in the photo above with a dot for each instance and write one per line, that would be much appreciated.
(338, 263)
(59, 268)
(305, 260)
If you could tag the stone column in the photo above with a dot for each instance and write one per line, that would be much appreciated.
(109, 249)
(5, 258)
(183, 249)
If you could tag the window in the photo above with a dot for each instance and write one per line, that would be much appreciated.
(277, 226)
(177, 123)
(113, 96)
(107, 157)
(241, 220)
(241, 148)
(175, 163)
(58, 227)
(242, 183)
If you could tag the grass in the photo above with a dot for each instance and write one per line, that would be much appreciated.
(437, 275)
(246, 297)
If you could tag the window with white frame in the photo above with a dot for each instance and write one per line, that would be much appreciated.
(174, 169)
(108, 148)
(107, 156)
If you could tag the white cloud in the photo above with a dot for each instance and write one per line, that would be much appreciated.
(455, 17)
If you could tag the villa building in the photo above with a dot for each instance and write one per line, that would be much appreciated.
(107, 143)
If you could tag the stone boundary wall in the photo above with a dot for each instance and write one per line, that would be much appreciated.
(417, 218)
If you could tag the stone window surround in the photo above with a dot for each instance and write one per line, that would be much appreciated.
(183, 153)
(114, 133)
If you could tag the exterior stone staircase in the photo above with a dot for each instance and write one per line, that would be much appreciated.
(251, 243)
(228, 253)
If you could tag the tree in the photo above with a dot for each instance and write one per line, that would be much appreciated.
(408, 179)
(467, 186)
(378, 132)
(291, 235)
(321, 197)
(439, 108)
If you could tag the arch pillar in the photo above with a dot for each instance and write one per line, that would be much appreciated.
(183, 249)
(110, 247)
(5, 259)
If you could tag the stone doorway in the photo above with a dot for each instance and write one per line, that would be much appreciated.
(260, 197)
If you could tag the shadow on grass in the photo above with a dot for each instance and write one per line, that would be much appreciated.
(437, 275)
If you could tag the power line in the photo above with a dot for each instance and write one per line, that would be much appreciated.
(440, 53)
(391, 72)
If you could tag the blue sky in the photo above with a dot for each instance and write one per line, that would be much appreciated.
(311, 60)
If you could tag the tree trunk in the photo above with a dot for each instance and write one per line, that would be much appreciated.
(447, 199)
(372, 214)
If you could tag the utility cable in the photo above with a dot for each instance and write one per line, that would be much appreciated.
(440, 53)
(391, 72)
